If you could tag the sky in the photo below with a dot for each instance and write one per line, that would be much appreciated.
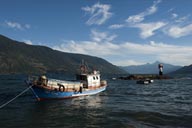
(125, 32)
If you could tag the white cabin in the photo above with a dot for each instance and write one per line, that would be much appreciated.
(90, 80)
(93, 80)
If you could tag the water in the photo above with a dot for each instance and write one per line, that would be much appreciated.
(163, 104)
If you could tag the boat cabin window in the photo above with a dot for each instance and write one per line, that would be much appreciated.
(93, 78)
(81, 77)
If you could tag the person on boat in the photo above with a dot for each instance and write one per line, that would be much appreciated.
(43, 80)
(81, 88)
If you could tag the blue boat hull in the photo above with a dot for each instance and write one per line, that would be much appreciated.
(45, 94)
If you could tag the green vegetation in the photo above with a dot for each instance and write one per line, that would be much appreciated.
(18, 57)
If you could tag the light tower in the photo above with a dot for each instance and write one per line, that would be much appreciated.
(160, 69)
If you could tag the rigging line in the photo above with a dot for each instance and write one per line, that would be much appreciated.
(3, 105)
(35, 93)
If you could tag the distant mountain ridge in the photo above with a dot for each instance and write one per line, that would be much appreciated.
(150, 68)
(18, 57)
(186, 70)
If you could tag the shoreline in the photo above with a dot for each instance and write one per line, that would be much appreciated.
(143, 76)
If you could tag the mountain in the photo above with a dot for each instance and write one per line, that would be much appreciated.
(184, 71)
(150, 68)
(18, 57)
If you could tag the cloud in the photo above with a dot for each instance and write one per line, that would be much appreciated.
(116, 26)
(99, 45)
(99, 13)
(135, 21)
(141, 16)
(87, 47)
(101, 36)
(128, 53)
(17, 26)
(171, 10)
(178, 26)
(174, 15)
(147, 29)
(182, 19)
(28, 42)
(13, 25)
(177, 31)
(129, 62)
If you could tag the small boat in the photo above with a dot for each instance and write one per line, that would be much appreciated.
(149, 80)
(145, 81)
(142, 82)
(85, 84)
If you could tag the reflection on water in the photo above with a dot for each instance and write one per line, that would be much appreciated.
(86, 111)
(87, 102)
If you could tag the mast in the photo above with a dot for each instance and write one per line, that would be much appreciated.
(83, 67)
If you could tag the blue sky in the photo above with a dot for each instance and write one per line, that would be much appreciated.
(126, 32)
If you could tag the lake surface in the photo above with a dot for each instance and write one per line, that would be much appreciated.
(125, 104)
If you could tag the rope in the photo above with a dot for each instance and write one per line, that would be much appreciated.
(3, 105)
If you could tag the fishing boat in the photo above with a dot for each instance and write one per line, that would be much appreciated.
(86, 83)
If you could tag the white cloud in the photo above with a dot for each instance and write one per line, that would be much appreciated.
(177, 31)
(174, 15)
(173, 54)
(14, 25)
(129, 53)
(116, 26)
(147, 29)
(88, 47)
(182, 19)
(129, 62)
(99, 13)
(135, 18)
(100, 45)
(101, 36)
(177, 58)
(141, 16)
(171, 10)
(28, 42)
(17, 26)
